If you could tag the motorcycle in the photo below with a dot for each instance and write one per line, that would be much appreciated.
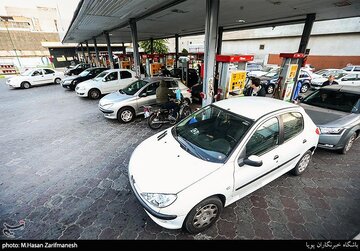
(157, 118)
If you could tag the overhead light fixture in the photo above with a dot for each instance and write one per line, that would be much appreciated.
(110, 34)
(241, 21)
(342, 3)
(178, 11)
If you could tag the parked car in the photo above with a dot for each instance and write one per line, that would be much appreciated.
(185, 175)
(72, 82)
(269, 81)
(335, 110)
(355, 68)
(325, 73)
(192, 79)
(32, 77)
(106, 82)
(347, 78)
(264, 71)
(77, 69)
(128, 102)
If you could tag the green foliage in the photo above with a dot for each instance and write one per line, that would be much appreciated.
(184, 52)
(159, 45)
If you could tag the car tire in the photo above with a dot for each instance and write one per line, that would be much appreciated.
(270, 89)
(94, 94)
(304, 88)
(302, 164)
(25, 85)
(203, 215)
(125, 115)
(349, 144)
(57, 81)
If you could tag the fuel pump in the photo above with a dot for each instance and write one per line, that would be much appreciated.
(288, 75)
(232, 75)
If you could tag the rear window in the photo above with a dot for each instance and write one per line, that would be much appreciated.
(125, 74)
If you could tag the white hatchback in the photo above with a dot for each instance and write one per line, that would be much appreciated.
(106, 82)
(34, 77)
(185, 175)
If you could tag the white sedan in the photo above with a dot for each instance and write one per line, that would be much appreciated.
(34, 77)
(106, 82)
(185, 175)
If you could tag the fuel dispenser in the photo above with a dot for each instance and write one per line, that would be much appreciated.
(232, 75)
(153, 63)
(288, 75)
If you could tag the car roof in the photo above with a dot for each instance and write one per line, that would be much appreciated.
(113, 70)
(253, 107)
(158, 78)
(342, 88)
(94, 68)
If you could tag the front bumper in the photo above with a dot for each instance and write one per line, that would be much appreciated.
(81, 93)
(333, 141)
(67, 85)
(164, 220)
(110, 114)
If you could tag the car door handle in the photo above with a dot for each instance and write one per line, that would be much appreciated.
(304, 141)
(276, 157)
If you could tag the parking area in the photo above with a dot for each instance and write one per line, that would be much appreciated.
(64, 172)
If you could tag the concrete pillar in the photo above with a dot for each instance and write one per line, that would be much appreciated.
(98, 64)
(124, 48)
(211, 30)
(111, 59)
(88, 52)
(83, 53)
(135, 43)
(176, 50)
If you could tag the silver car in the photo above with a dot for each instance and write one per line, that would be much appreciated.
(335, 110)
(128, 102)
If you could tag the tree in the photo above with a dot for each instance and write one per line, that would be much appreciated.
(184, 52)
(159, 46)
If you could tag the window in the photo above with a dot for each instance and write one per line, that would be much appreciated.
(36, 73)
(262, 46)
(348, 68)
(48, 71)
(112, 76)
(350, 77)
(125, 74)
(264, 139)
(171, 84)
(293, 124)
(151, 89)
(357, 69)
(134, 87)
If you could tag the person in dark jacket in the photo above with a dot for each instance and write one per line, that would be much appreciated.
(255, 89)
(162, 98)
(330, 81)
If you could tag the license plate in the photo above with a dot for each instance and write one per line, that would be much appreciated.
(146, 114)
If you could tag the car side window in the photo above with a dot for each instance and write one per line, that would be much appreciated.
(357, 69)
(151, 89)
(48, 71)
(350, 77)
(125, 74)
(293, 124)
(36, 73)
(171, 84)
(265, 138)
(112, 76)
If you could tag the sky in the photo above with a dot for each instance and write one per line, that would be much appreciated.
(66, 8)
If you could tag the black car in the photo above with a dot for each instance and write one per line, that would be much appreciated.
(193, 76)
(71, 82)
(77, 69)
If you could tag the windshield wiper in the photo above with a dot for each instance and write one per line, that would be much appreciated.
(187, 146)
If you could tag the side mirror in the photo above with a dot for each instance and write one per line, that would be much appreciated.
(142, 95)
(253, 160)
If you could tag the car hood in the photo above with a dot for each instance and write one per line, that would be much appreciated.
(70, 78)
(115, 97)
(88, 83)
(160, 165)
(327, 117)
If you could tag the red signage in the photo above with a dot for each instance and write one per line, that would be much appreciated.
(234, 58)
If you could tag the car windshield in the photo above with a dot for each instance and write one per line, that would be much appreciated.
(100, 76)
(26, 73)
(272, 73)
(84, 73)
(211, 133)
(334, 100)
(133, 87)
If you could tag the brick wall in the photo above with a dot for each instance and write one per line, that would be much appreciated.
(322, 62)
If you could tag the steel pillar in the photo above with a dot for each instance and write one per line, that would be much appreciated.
(98, 64)
(135, 43)
(88, 52)
(176, 50)
(111, 59)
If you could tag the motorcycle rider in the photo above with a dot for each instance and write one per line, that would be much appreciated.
(162, 98)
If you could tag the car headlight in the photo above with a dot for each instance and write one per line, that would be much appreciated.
(80, 88)
(331, 130)
(263, 81)
(107, 105)
(158, 199)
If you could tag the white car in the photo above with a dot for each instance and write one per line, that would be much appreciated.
(352, 68)
(34, 77)
(128, 102)
(185, 175)
(346, 78)
(106, 82)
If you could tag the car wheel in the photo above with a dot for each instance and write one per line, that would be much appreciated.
(302, 164)
(304, 88)
(94, 94)
(270, 89)
(349, 143)
(25, 85)
(57, 81)
(203, 215)
(126, 115)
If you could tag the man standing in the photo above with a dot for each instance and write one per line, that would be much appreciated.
(330, 81)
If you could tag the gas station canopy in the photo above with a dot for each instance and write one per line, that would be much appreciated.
(165, 18)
